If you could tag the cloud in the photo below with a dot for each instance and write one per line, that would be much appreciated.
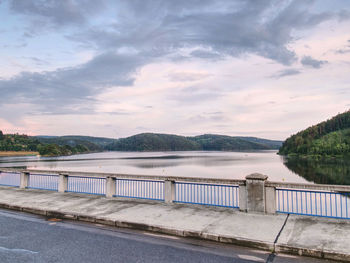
(37, 61)
(229, 46)
(57, 13)
(314, 63)
(208, 117)
(195, 95)
(285, 73)
(187, 76)
(63, 89)
(344, 50)
(226, 28)
(205, 54)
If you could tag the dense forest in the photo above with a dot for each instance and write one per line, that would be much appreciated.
(207, 142)
(18, 143)
(67, 145)
(92, 143)
(328, 138)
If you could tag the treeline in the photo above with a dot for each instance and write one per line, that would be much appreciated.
(58, 150)
(331, 137)
(18, 142)
(67, 145)
(153, 142)
(207, 142)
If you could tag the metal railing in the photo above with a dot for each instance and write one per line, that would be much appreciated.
(87, 185)
(141, 189)
(207, 194)
(313, 203)
(10, 178)
(43, 181)
(255, 194)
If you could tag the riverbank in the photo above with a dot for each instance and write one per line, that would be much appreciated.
(14, 153)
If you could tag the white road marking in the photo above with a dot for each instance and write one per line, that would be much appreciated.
(17, 250)
(249, 257)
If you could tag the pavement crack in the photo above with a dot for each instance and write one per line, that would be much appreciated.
(279, 233)
(272, 255)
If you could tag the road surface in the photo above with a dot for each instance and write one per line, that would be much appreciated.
(31, 238)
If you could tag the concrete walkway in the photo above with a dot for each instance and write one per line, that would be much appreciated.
(311, 236)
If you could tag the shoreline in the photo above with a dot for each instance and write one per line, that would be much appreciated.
(15, 154)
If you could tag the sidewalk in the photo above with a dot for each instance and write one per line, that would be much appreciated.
(311, 236)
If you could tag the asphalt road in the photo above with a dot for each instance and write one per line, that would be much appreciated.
(30, 238)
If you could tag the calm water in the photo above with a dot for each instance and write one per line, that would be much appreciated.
(234, 165)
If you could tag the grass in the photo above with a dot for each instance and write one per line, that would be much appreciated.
(13, 153)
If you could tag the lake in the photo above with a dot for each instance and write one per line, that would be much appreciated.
(232, 165)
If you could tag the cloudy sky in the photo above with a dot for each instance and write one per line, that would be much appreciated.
(116, 68)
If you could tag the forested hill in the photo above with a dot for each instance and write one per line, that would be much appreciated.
(208, 142)
(92, 143)
(328, 138)
(67, 145)
(24, 143)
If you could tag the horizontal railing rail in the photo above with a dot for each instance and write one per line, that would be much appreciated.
(319, 187)
(142, 177)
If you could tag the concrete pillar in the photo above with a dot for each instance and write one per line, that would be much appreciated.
(242, 198)
(24, 180)
(110, 186)
(169, 191)
(270, 200)
(62, 183)
(255, 186)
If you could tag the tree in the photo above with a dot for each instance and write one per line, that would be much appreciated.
(1, 136)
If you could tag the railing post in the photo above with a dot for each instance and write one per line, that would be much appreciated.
(270, 200)
(255, 186)
(242, 197)
(110, 186)
(24, 180)
(62, 183)
(169, 191)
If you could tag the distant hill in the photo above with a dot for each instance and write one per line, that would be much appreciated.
(27, 144)
(17, 142)
(72, 144)
(328, 138)
(208, 142)
(154, 142)
(274, 144)
(212, 142)
(92, 143)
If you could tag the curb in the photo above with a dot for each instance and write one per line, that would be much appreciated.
(279, 248)
(309, 252)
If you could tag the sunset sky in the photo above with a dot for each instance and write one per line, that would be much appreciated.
(117, 68)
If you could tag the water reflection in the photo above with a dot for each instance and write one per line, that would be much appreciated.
(327, 171)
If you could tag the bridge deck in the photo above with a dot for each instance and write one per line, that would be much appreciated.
(319, 237)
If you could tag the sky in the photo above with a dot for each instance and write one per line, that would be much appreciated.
(115, 68)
